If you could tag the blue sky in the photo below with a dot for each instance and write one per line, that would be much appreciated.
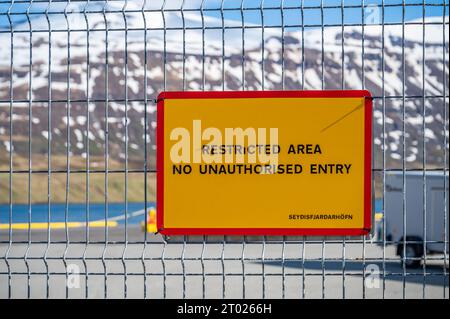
(271, 17)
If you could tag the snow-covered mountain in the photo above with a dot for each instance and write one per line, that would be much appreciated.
(141, 64)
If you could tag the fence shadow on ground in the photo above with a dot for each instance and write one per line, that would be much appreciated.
(392, 270)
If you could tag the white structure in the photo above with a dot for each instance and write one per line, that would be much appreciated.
(426, 225)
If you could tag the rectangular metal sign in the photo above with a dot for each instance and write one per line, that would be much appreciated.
(264, 163)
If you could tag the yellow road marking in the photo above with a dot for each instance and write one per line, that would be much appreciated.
(101, 223)
(58, 225)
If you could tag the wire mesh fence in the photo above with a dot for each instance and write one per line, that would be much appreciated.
(78, 82)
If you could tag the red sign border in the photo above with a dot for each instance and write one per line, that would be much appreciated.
(265, 231)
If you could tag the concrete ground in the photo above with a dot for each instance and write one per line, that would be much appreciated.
(196, 269)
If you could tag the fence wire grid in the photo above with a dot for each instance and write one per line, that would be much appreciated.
(78, 82)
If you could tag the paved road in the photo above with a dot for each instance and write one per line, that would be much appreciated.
(314, 277)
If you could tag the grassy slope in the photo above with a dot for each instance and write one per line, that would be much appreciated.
(77, 182)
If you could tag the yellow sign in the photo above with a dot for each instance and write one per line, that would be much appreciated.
(264, 163)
